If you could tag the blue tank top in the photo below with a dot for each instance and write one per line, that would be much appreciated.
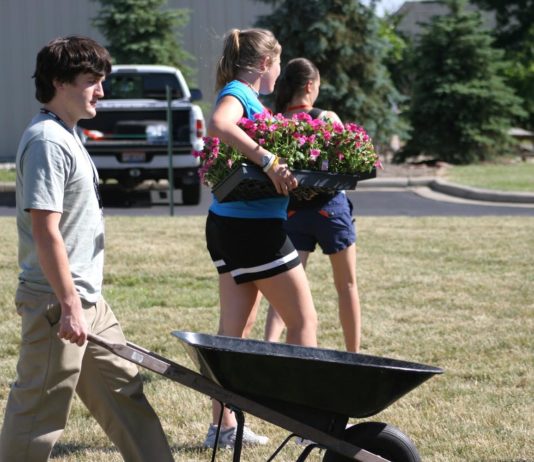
(273, 207)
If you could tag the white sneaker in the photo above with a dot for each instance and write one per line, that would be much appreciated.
(303, 442)
(227, 437)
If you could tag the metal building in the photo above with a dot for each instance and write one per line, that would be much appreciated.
(27, 25)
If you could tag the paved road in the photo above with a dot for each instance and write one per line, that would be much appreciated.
(367, 202)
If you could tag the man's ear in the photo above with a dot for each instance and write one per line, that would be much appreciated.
(309, 86)
(57, 84)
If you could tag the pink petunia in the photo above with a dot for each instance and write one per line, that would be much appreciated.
(338, 128)
(317, 124)
(304, 117)
(260, 117)
(314, 153)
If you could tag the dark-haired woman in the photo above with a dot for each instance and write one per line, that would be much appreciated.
(325, 219)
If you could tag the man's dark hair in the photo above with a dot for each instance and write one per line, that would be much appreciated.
(63, 59)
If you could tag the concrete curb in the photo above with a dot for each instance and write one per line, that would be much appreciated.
(395, 182)
(450, 189)
(7, 187)
(467, 192)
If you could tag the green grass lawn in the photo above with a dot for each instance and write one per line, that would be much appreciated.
(451, 292)
(517, 176)
(7, 175)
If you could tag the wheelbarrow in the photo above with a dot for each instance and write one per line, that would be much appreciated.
(311, 392)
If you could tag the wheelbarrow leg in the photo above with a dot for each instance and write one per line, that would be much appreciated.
(240, 417)
(304, 454)
(217, 434)
(282, 446)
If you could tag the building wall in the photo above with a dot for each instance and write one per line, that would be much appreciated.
(27, 25)
(209, 21)
(414, 14)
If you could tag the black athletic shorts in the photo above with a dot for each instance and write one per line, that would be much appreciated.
(249, 249)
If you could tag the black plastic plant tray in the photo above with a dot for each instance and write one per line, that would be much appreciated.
(248, 182)
(343, 383)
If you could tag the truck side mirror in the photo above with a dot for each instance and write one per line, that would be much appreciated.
(196, 94)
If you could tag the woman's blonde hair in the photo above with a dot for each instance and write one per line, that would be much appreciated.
(243, 49)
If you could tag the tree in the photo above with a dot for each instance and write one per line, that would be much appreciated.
(342, 38)
(514, 33)
(461, 108)
(139, 32)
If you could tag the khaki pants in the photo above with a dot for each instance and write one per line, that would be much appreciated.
(50, 370)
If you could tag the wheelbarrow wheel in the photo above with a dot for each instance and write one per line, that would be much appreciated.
(380, 439)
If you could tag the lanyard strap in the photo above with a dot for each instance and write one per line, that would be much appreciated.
(96, 184)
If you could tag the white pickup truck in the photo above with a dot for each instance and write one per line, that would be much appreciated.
(128, 140)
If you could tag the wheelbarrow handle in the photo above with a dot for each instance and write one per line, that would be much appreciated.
(133, 353)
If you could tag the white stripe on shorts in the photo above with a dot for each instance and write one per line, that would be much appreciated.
(219, 263)
(266, 266)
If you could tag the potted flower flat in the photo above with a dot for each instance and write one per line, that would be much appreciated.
(323, 156)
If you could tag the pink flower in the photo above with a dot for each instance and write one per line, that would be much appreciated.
(316, 124)
(314, 153)
(303, 117)
(260, 117)
(338, 128)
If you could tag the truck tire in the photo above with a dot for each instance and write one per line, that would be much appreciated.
(191, 194)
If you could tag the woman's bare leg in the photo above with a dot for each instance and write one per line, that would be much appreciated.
(274, 324)
(290, 293)
(239, 306)
(344, 269)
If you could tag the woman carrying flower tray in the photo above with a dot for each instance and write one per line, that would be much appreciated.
(246, 239)
(325, 219)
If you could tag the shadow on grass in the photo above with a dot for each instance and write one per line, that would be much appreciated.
(71, 449)
(67, 449)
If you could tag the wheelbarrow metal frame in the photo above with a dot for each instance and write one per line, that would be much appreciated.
(191, 379)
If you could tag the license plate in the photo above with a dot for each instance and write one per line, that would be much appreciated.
(134, 156)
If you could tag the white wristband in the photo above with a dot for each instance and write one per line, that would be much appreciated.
(269, 164)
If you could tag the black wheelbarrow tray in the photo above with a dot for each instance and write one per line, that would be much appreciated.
(311, 392)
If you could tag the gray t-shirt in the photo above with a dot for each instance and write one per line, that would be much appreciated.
(55, 172)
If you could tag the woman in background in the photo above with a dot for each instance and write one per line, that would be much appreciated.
(325, 219)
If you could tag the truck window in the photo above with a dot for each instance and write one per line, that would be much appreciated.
(141, 86)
